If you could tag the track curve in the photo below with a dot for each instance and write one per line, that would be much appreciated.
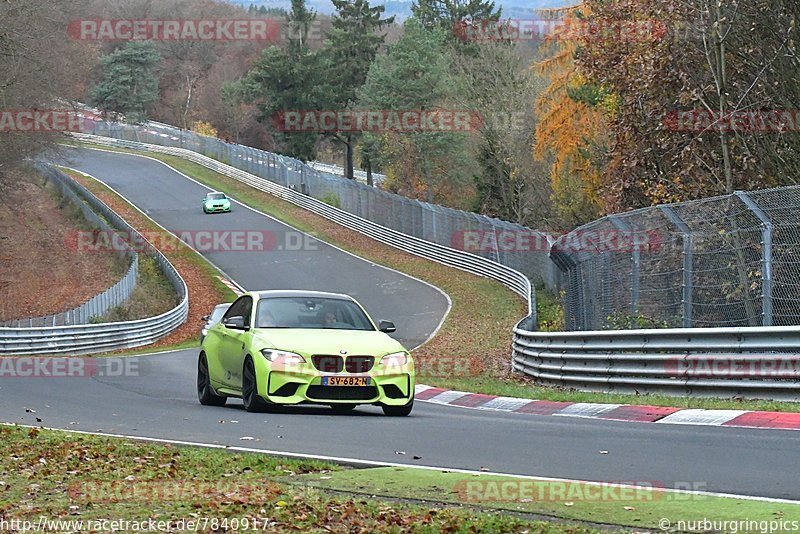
(159, 401)
(173, 201)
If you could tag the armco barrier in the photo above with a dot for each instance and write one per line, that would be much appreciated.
(471, 263)
(748, 362)
(90, 338)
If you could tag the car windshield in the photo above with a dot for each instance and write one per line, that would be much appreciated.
(216, 196)
(311, 312)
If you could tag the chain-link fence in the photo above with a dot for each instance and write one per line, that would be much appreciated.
(445, 226)
(724, 261)
(719, 262)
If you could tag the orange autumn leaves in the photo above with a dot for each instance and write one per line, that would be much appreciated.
(568, 131)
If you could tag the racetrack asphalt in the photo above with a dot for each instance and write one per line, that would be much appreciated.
(157, 397)
(297, 261)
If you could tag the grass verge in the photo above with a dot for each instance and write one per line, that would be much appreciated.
(607, 504)
(479, 362)
(70, 477)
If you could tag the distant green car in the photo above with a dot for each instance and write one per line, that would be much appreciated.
(216, 202)
(292, 347)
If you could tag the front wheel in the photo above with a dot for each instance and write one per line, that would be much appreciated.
(250, 397)
(398, 411)
(205, 394)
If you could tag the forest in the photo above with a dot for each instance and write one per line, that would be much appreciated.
(583, 111)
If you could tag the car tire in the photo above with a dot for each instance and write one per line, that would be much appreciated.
(205, 393)
(398, 411)
(343, 409)
(252, 401)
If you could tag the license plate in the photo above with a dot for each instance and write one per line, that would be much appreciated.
(345, 380)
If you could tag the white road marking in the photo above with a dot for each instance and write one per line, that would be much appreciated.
(701, 417)
(373, 463)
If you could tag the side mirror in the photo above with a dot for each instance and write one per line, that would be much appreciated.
(235, 323)
(205, 318)
(386, 326)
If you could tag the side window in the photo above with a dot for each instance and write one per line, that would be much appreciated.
(247, 309)
(241, 307)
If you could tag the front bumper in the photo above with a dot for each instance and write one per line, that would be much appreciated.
(305, 386)
(216, 209)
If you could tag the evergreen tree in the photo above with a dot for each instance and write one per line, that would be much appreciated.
(129, 85)
(287, 80)
(450, 14)
(415, 75)
(351, 48)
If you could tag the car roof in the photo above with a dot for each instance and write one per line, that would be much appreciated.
(289, 293)
(215, 193)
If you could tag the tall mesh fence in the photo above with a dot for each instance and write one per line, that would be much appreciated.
(720, 262)
(431, 222)
(726, 261)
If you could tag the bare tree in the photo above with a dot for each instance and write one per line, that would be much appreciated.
(32, 76)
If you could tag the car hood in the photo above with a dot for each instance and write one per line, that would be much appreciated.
(213, 201)
(318, 341)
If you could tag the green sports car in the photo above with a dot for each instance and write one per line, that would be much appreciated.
(291, 347)
(216, 202)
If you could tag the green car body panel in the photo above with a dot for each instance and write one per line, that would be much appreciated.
(226, 351)
(213, 204)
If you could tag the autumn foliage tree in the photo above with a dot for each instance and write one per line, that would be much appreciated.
(571, 126)
(712, 58)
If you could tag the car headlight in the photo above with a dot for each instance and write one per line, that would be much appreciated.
(396, 359)
(282, 357)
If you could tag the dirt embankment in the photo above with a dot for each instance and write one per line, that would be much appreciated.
(42, 272)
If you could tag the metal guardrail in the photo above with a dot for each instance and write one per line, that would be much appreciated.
(102, 302)
(465, 261)
(358, 174)
(91, 338)
(748, 362)
(477, 234)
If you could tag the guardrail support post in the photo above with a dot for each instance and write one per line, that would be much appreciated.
(688, 271)
(623, 226)
(766, 257)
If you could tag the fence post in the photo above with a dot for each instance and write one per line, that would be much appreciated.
(766, 257)
(623, 226)
(688, 265)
